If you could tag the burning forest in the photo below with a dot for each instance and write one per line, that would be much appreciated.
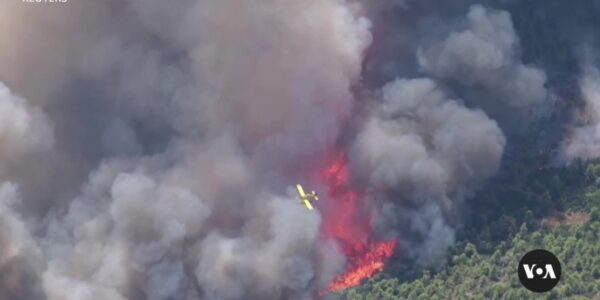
(349, 225)
(147, 148)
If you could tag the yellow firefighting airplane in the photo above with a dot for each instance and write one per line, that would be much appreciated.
(307, 198)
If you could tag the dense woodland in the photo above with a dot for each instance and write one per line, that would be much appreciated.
(530, 205)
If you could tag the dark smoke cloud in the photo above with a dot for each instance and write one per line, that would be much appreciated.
(584, 139)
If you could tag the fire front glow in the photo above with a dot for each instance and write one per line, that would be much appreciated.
(350, 226)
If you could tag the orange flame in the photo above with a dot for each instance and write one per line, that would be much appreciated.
(365, 266)
(349, 224)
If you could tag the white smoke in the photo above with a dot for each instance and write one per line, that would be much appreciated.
(23, 128)
(20, 257)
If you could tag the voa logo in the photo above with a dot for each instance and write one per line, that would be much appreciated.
(548, 271)
(539, 270)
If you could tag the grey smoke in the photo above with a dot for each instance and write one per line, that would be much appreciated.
(430, 151)
(430, 142)
(438, 236)
(484, 57)
(21, 260)
(174, 132)
(584, 139)
(23, 128)
(146, 146)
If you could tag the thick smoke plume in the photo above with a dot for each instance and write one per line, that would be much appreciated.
(423, 150)
(428, 151)
(147, 147)
(178, 127)
(483, 57)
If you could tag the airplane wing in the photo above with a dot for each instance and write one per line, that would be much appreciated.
(300, 191)
(308, 205)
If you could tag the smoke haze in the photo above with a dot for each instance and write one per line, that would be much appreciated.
(147, 148)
